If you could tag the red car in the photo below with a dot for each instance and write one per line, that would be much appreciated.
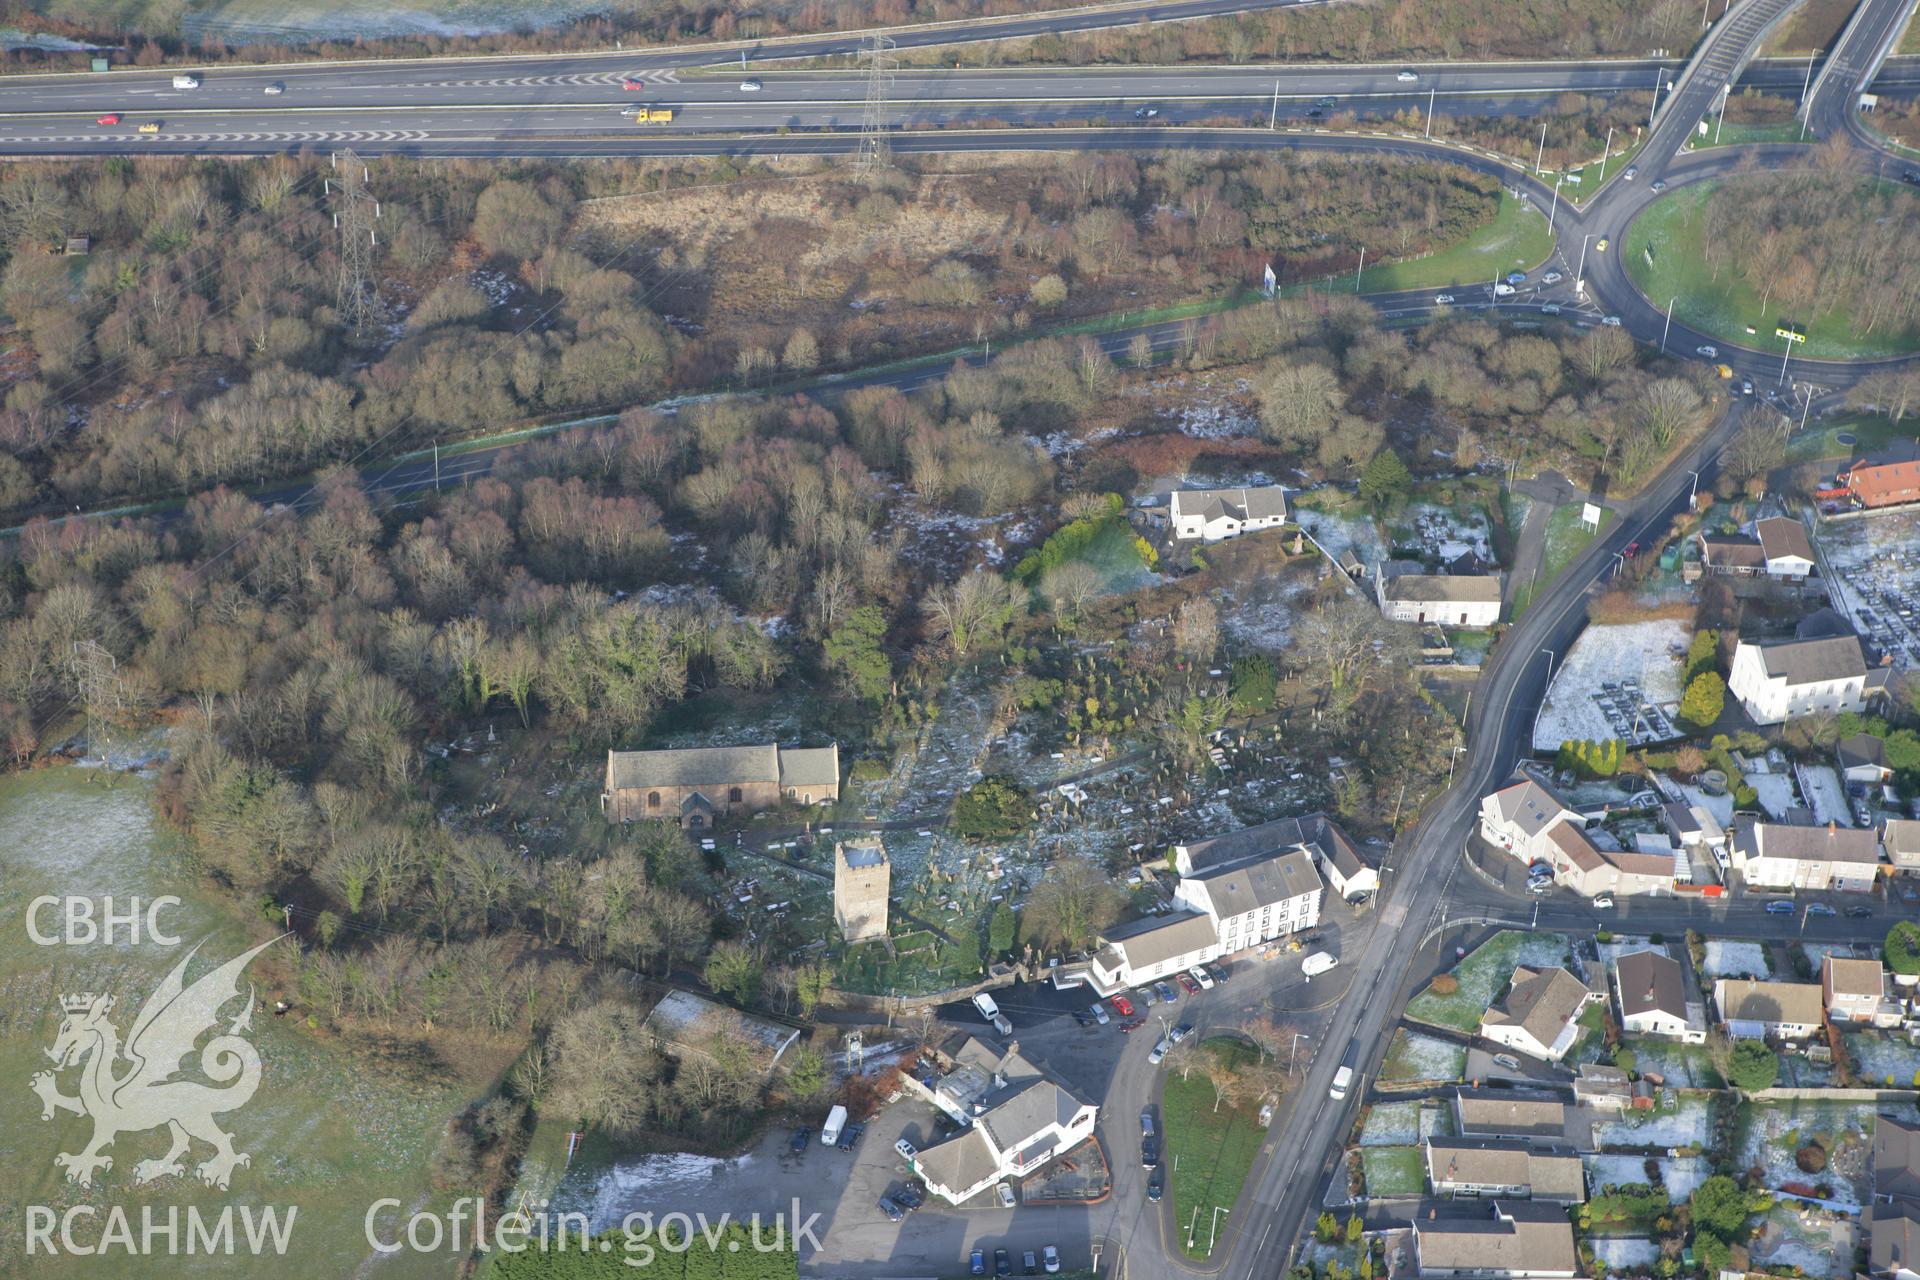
(634, 86)
(112, 117)
(1123, 1006)
(1633, 549)
(1191, 987)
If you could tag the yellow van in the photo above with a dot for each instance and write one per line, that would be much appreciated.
(152, 126)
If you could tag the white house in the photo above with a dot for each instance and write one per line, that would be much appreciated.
(1517, 818)
(1017, 1119)
(1785, 546)
(1775, 855)
(1652, 996)
(1509, 1168)
(1214, 515)
(1752, 1010)
(1533, 824)
(1450, 600)
(1235, 891)
(1776, 682)
(1540, 1015)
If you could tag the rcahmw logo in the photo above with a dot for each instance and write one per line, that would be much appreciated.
(130, 1087)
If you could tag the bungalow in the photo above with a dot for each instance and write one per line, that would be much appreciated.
(1214, 515)
(1509, 1168)
(1731, 555)
(1503, 1112)
(1777, 855)
(1777, 682)
(1862, 759)
(1785, 547)
(1540, 1015)
(1753, 1010)
(1521, 1241)
(1603, 1088)
(1453, 600)
(1652, 995)
(1852, 990)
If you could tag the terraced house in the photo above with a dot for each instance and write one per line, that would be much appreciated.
(1776, 855)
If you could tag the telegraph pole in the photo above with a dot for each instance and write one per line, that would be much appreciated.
(355, 212)
(875, 153)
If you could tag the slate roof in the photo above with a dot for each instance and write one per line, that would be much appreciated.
(1650, 983)
(1854, 977)
(1502, 1111)
(1015, 1121)
(1746, 1000)
(1803, 662)
(1460, 588)
(1860, 750)
(1781, 536)
(1529, 806)
(714, 767)
(1316, 832)
(1550, 1173)
(1237, 504)
(1896, 1160)
(962, 1161)
(1901, 836)
(1157, 938)
(1541, 1003)
(1731, 551)
(1812, 844)
(1519, 1237)
(1894, 1231)
(1261, 880)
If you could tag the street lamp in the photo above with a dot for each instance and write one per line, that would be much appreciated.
(1786, 352)
(1668, 326)
(1550, 657)
(1214, 1231)
(1558, 178)
(1294, 1053)
(1453, 760)
(1580, 273)
(1806, 107)
(1693, 494)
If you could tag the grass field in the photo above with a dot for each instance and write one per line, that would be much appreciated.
(1566, 538)
(1209, 1151)
(1516, 240)
(1483, 976)
(327, 1134)
(1725, 307)
(1867, 432)
(1739, 135)
(1394, 1171)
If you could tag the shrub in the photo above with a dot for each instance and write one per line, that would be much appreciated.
(1704, 700)
(993, 808)
(1444, 985)
(1811, 1158)
(1753, 1066)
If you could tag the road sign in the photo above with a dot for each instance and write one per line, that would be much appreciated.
(1589, 516)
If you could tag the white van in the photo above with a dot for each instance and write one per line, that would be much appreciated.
(1317, 963)
(186, 80)
(1341, 1079)
(830, 1131)
(988, 1009)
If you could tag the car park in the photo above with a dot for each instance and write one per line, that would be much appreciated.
(893, 1209)
(1201, 976)
(1099, 1012)
(1442, 299)
(1779, 907)
(1710, 352)
(112, 117)
(1123, 1006)
(1407, 77)
(1159, 1052)
(751, 86)
(801, 1137)
(906, 1149)
(850, 1135)
(1050, 1259)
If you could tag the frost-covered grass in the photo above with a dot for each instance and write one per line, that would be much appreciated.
(1818, 1247)
(1770, 1132)
(1826, 795)
(1404, 1124)
(1678, 1176)
(1415, 1057)
(1684, 1126)
(1682, 1066)
(1879, 1057)
(1484, 975)
(1737, 960)
(1621, 1255)
(1394, 1171)
(1650, 652)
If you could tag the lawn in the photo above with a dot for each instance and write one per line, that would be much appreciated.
(1740, 135)
(1209, 1150)
(1566, 538)
(1516, 240)
(1867, 431)
(1394, 1171)
(1726, 307)
(1484, 975)
(1414, 1058)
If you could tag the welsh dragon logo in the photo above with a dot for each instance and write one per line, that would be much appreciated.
(126, 1089)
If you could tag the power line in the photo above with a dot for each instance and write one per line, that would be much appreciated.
(96, 679)
(875, 153)
(353, 217)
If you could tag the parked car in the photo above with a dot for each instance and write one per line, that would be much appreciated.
(1217, 971)
(1149, 1152)
(1516, 277)
(1507, 1060)
(851, 1135)
(977, 1263)
(1180, 1032)
(1029, 1263)
(1633, 549)
(1005, 1191)
(906, 1149)
(1710, 352)
(1188, 985)
(1859, 913)
(910, 1196)
(1551, 309)
(1123, 1006)
(1820, 909)
(1603, 901)
(1166, 991)
(1552, 277)
(1099, 1012)
(1779, 907)
(801, 1137)
(1200, 976)
(1159, 1052)
(1539, 886)
(1407, 77)
(1050, 1259)
(1146, 997)
(1002, 1264)
(1146, 1121)
(1611, 322)
(892, 1208)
